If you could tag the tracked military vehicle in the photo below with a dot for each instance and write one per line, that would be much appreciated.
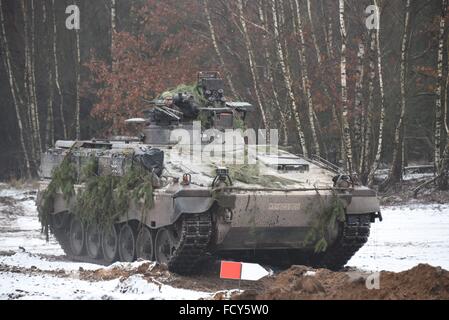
(185, 203)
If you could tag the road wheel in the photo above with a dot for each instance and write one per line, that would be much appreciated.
(109, 244)
(165, 245)
(59, 221)
(77, 237)
(93, 241)
(127, 243)
(144, 244)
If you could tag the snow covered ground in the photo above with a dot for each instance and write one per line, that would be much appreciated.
(47, 275)
(19, 226)
(409, 235)
(42, 287)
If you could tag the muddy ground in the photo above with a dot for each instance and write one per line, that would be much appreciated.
(304, 283)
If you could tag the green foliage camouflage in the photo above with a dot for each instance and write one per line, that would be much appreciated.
(205, 119)
(326, 219)
(239, 123)
(64, 179)
(192, 89)
(103, 199)
(250, 174)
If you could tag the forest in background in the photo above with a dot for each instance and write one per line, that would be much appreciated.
(312, 68)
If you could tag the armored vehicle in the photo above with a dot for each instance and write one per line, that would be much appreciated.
(169, 195)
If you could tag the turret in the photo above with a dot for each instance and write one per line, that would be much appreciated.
(180, 107)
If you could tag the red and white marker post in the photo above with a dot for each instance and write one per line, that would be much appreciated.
(242, 271)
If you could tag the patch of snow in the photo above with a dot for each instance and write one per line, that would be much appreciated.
(418, 176)
(20, 226)
(407, 236)
(310, 273)
(127, 266)
(137, 286)
(28, 260)
(33, 287)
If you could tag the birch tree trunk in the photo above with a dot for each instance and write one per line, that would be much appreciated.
(359, 119)
(312, 30)
(368, 117)
(56, 74)
(330, 35)
(376, 161)
(269, 74)
(446, 114)
(33, 84)
(252, 63)
(5, 53)
(113, 32)
(287, 79)
(438, 104)
(113, 20)
(305, 79)
(49, 129)
(77, 101)
(28, 83)
(443, 169)
(443, 180)
(344, 94)
(218, 51)
(396, 169)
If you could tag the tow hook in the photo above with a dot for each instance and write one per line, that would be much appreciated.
(377, 215)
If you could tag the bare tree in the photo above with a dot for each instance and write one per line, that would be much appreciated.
(369, 113)
(218, 51)
(10, 73)
(396, 169)
(56, 74)
(443, 163)
(359, 119)
(49, 128)
(113, 18)
(376, 161)
(33, 82)
(270, 62)
(29, 81)
(312, 28)
(305, 78)
(344, 90)
(252, 62)
(78, 76)
(287, 79)
(438, 104)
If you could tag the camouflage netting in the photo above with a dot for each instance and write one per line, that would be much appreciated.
(326, 219)
(102, 199)
(192, 89)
